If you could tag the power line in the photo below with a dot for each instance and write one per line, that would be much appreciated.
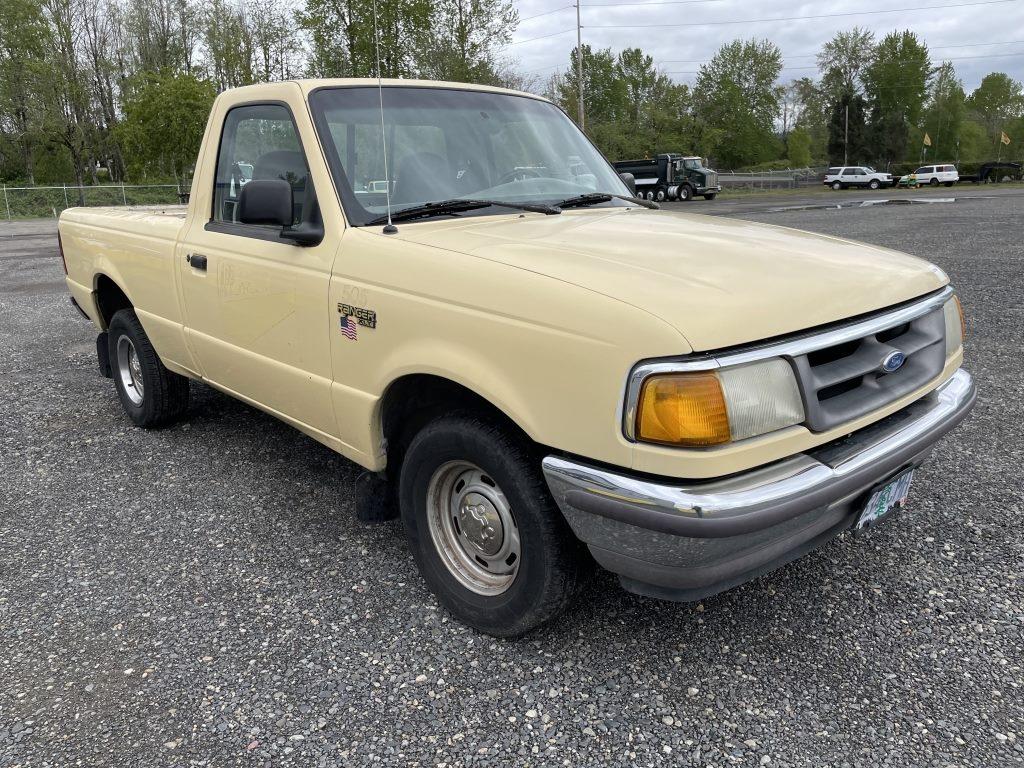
(539, 37)
(798, 18)
(547, 13)
(939, 61)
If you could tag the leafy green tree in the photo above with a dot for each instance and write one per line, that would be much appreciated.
(842, 61)
(604, 93)
(998, 99)
(164, 122)
(848, 131)
(736, 93)
(24, 37)
(798, 148)
(344, 44)
(466, 38)
(944, 113)
(896, 83)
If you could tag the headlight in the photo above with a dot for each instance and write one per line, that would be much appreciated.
(716, 407)
(955, 332)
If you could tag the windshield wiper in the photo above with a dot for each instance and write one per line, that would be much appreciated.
(457, 205)
(593, 198)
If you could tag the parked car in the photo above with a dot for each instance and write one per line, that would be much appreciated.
(537, 372)
(842, 177)
(933, 175)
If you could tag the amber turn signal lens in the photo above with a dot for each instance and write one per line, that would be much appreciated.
(683, 409)
(963, 322)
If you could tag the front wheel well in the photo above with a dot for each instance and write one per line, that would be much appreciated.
(412, 401)
(110, 299)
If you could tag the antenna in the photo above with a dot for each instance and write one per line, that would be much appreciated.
(389, 228)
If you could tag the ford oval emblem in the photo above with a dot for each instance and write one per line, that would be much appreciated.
(893, 361)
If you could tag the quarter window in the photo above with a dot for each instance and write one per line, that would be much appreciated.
(260, 141)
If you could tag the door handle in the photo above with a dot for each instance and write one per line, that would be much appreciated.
(196, 261)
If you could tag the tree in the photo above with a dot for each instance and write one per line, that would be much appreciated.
(847, 131)
(343, 38)
(24, 37)
(466, 36)
(896, 83)
(164, 122)
(842, 61)
(736, 93)
(604, 92)
(998, 99)
(944, 113)
(798, 148)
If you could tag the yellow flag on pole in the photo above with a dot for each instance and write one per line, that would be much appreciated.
(1004, 138)
(927, 140)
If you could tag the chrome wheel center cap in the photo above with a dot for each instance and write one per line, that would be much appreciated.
(480, 523)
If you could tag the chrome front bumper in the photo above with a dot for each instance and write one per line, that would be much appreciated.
(688, 540)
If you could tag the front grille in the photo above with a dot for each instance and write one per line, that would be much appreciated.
(711, 179)
(846, 381)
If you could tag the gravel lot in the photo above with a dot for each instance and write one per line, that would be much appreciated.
(204, 596)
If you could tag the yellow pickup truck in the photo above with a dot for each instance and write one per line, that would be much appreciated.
(450, 286)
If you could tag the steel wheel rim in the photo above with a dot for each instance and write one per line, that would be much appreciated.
(130, 370)
(473, 529)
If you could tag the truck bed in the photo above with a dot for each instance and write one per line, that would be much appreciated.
(135, 248)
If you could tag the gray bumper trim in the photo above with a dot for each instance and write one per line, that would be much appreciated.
(764, 497)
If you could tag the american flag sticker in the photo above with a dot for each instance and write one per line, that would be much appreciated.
(348, 327)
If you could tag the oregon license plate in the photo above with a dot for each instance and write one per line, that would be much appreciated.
(886, 498)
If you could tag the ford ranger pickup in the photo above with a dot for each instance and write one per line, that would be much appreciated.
(451, 286)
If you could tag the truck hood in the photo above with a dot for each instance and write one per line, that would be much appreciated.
(720, 282)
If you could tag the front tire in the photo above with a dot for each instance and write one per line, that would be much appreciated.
(685, 193)
(151, 395)
(483, 528)
(934, 182)
(874, 184)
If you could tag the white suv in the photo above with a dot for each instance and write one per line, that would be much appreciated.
(937, 174)
(842, 177)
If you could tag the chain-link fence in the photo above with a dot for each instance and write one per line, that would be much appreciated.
(49, 201)
(788, 178)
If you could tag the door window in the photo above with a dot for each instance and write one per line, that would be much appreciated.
(260, 141)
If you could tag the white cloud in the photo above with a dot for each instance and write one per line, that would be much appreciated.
(684, 34)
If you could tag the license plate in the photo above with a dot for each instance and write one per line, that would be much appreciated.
(886, 498)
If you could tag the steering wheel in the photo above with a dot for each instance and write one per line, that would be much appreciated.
(519, 174)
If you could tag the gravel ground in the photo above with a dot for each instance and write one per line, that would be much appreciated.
(203, 595)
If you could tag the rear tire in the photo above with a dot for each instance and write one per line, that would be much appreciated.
(660, 195)
(487, 537)
(934, 182)
(151, 395)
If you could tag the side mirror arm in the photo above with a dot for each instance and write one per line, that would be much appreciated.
(306, 234)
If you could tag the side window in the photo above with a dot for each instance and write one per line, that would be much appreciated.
(260, 141)
(849, 171)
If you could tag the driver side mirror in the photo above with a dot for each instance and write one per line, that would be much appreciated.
(266, 201)
(630, 181)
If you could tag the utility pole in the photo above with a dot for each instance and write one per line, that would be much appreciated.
(579, 62)
(846, 139)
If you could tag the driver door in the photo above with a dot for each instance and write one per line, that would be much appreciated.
(256, 305)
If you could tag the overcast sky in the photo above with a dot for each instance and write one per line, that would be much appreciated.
(681, 35)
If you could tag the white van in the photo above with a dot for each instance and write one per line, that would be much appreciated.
(937, 174)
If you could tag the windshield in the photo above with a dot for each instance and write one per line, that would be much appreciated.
(445, 144)
(693, 164)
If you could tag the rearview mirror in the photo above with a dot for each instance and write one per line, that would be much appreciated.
(630, 181)
(266, 201)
